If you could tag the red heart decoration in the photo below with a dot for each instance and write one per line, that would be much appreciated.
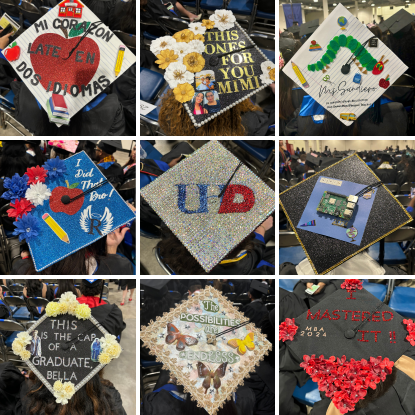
(63, 71)
(346, 382)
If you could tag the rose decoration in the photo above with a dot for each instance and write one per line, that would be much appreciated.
(410, 326)
(352, 285)
(288, 329)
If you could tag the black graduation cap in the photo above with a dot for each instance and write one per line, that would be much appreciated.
(294, 29)
(349, 324)
(14, 148)
(295, 157)
(91, 143)
(312, 160)
(190, 283)
(328, 161)
(65, 348)
(385, 155)
(110, 146)
(384, 214)
(92, 283)
(34, 142)
(259, 286)
(309, 28)
(397, 22)
(154, 287)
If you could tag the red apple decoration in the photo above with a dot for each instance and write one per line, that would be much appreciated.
(384, 83)
(71, 208)
(12, 53)
(66, 72)
(313, 42)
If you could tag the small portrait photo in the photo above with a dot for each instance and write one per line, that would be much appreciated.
(197, 103)
(36, 344)
(95, 350)
(205, 80)
(212, 104)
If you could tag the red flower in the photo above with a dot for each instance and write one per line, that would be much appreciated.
(36, 174)
(352, 285)
(21, 208)
(288, 329)
(410, 327)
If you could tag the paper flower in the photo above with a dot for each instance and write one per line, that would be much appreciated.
(55, 167)
(38, 193)
(83, 312)
(107, 340)
(68, 297)
(196, 46)
(194, 62)
(185, 35)
(25, 355)
(209, 24)
(181, 49)
(21, 208)
(162, 43)
(104, 358)
(113, 351)
(288, 329)
(17, 187)
(410, 326)
(58, 386)
(197, 28)
(24, 337)
(72, 308)
(17, 347)
(36, 174)
(224, 19)
(165, 58)
(63, 391)
(200, 37)
(53, 309)
(27, 227)
(267, 76)
(64, 307)
(183, 92)
(177, 74)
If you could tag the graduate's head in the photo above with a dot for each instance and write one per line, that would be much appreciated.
(257, 290)
(13, 159)
(91, 288)
(194, 285)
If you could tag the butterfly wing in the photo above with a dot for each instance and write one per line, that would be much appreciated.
(173, 333)
(234, 343)
(204, 372)
(180, 343)
(189, 340)
(249, 341)
(219, 373)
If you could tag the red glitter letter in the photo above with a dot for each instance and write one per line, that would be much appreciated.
(335, 314)
(363, 315)
(375, 316)
(353, 316)
(346, 311)
(376, 335)
(228, 205)
(363, 336)
(383, 315)
(309, 314)
(325, 315)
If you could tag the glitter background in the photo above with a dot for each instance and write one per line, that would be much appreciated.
(386, 214)
(208, 236)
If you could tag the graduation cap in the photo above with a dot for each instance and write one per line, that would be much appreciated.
(338, 64)
(397, 22)
(346, 222)
(349, 324)
(294, 157)
(294, 29)
(313, 160)
(34, 142)
(309, 28)
(259, 286)
(110, 146)
(211, 202)
(217, 49)
(155, 288)
(91, 283)
(66, 347)
(63, 206)
(67, 145)
(191, 283)
(385, 155)
(14, 148)
(208, 345)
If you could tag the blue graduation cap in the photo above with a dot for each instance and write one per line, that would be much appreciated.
(73, 207)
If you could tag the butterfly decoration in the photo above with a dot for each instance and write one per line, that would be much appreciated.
(182, 339)
(204, 371)
(242, 345)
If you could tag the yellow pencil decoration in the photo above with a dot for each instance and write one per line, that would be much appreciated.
(60, 233)
(120, 58)
(300, 76)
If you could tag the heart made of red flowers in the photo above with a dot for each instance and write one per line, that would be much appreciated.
(346, 382)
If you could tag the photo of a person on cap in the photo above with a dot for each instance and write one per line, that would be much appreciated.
(36, 345)
(198, 104)
(213, 104)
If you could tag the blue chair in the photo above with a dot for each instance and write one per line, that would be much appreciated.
(149, 36)
(152, 153)
(293, 254)
(244, 8)
(212, 4)
(148, 369)
(402, 301)
(21, 312)
(288, 284)
(29, 12)
(378, 290)
(150, 84)
(6, 343)
(151, 119)
(270, 54)
(192, 4)
(308, 394)
(393, 253)
(264, 16)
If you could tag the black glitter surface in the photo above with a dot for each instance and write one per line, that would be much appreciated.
(227, 100)
(326, 253)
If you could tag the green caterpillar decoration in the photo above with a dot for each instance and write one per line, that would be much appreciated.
(362, 55)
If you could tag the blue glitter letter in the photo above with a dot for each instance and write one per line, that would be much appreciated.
(181, 200)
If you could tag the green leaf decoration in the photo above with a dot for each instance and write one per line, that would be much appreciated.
(72, 186)
(13, 44)
(79, 29)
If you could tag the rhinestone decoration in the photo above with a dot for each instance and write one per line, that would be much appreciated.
(186, 199)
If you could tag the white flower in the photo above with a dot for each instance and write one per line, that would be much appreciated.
(25, 337)
(196, 46)
(197, 28)
(224, 19)
(181, 49)
(107, 341)
(67, 297)
(176, 73)
(161, 43)
(38, 193)
(266, 67)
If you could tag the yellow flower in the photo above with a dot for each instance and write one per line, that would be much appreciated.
(83, 312)
(64, 308)
(183, 92)
(185, 35)
(72, 307)
(68, 390)
(104, 358)
(114, 350)
(200, 37)
(208, 24)
(272, 74)
(17, 347)
(53, 309)
(108, 340)
(165, 58)
(58, 386)
(25, 355)
(194, 62)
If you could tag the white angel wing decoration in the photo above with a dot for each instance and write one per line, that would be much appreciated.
(85, 218)
(106, 220)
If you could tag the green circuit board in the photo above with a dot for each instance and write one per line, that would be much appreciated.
(333, 204)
